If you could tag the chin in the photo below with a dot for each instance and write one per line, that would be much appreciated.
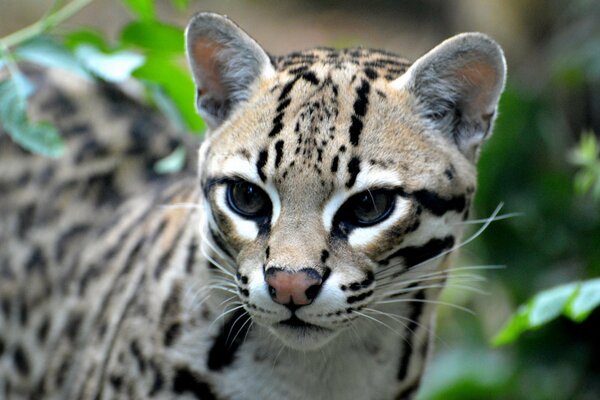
(303, 336)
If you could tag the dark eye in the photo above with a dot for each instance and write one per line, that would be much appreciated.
(248, 200)
(367, 208)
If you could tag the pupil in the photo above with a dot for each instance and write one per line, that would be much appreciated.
(247, 198)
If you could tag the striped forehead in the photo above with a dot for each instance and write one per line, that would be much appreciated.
(317, 107)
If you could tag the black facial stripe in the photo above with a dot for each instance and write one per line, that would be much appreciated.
(226, 345)
(438, 205)
(278, 152)
(411, 327)
(360, 297)
(353, 170)
(355, 130)
(360, 110)
(284, 102)
(414, 255)
(260, 164)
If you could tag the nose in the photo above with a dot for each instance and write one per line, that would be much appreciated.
(293, 288)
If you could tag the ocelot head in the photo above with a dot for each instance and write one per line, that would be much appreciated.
(335, 181)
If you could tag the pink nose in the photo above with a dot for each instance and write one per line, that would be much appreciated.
(293, 287)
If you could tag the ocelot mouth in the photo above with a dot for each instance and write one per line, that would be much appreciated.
(300, 334)
(296, 322)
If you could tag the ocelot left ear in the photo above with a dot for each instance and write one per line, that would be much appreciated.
(226, 64)
(457, 86)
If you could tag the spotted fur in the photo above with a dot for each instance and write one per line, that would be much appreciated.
(118, 282)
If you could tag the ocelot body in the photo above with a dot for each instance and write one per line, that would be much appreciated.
(302, 259)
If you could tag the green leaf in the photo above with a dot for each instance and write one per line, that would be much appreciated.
(180, 4)
(74, 39)
(38, 138)
(172, 163)
(46, 51)
(143, 8)
(574, 300)
(482, 374)
(153, 36)
(115, 67)
(585, 301)
(177, 84)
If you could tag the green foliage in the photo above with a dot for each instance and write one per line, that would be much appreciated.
(143, 8)
(147, 50)
(587, 157)
(574, 300)
(37, 137)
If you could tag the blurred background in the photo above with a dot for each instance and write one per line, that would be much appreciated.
(542, 162)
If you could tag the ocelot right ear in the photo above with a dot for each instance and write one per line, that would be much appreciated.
(226, 65)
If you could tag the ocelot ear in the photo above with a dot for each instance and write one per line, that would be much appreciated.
(226, 64)
(457, 86)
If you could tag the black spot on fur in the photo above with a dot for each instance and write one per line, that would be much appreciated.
(278, 152)
(229, 340)
(191, 257)
(371, 73)
(136, 352)
(310, 77)
(37, 261)
(67, 238)
(334, 164)
(260, 164)
(172, 333)
(185, 381)
(73, 324)
(158, 382)
(42, 331)
(324, 256)
(353, 170)
(21, 361)
(116, 381)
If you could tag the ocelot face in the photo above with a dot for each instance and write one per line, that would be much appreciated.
(336, 181)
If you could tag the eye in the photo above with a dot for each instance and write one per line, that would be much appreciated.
(367, 208)
(248, 200)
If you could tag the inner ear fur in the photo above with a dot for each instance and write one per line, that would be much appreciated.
(225, 62)
(458, 85)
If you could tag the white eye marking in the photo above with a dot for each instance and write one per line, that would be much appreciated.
(364, 236)
(270, 189)
(247, 229)
(334, 203)
(369, 178)
(240, 167)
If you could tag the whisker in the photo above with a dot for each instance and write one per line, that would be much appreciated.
(393, 293)
(215, 263)
(497, 218)
(378, 321)
(464, 243)
(455, 277)
(438, 302)
(449, 271)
